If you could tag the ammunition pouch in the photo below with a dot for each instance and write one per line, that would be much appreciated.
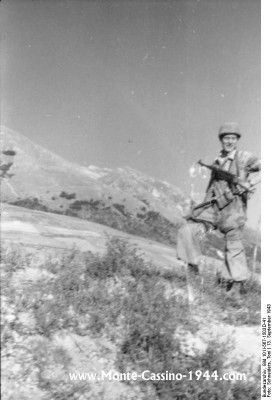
(229, 194)
(224, 195)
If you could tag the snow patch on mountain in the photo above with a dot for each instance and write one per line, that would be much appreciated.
(97, 172)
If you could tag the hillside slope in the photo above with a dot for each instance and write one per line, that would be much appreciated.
(51, 232)
(78, 297)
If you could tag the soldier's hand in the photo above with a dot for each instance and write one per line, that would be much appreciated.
(246, 186)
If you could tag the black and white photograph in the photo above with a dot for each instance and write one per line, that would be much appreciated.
(131, 201)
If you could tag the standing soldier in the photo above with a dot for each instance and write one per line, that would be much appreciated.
(224, 208)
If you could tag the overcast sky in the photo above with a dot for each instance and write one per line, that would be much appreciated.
(144, 84)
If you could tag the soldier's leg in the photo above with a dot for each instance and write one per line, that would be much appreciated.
(191, 234)
(189, 241)
(233, 218)
(235, 266)
(189, 246)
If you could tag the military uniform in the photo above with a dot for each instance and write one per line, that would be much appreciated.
(227, 214)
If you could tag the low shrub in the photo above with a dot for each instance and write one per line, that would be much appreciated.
(68, 196)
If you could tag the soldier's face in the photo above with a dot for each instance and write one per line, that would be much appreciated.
(229, 143)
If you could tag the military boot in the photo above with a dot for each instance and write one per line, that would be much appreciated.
(234, 292)
(224, 284)
(193, 269)
(243, 289)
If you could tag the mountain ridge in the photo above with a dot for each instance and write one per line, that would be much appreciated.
(39, 172)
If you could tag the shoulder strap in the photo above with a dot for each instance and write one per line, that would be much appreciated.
(237, 163)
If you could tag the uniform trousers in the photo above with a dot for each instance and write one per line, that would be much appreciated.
(230, 222)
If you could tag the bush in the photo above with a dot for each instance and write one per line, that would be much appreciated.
(31, 203)
(68, 196)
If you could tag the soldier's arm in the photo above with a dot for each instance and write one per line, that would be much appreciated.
(253, 169)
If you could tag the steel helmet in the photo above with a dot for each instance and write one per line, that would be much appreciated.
(229, 128)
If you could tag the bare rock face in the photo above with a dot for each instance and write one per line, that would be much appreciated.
(38, 173)
(166, 199)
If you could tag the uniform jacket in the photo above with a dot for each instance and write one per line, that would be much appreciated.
(241, 163)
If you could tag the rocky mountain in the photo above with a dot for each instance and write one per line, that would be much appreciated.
(167, 199)
(38, 173)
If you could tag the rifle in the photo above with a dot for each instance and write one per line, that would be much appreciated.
(205, 203)
(226, 176)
